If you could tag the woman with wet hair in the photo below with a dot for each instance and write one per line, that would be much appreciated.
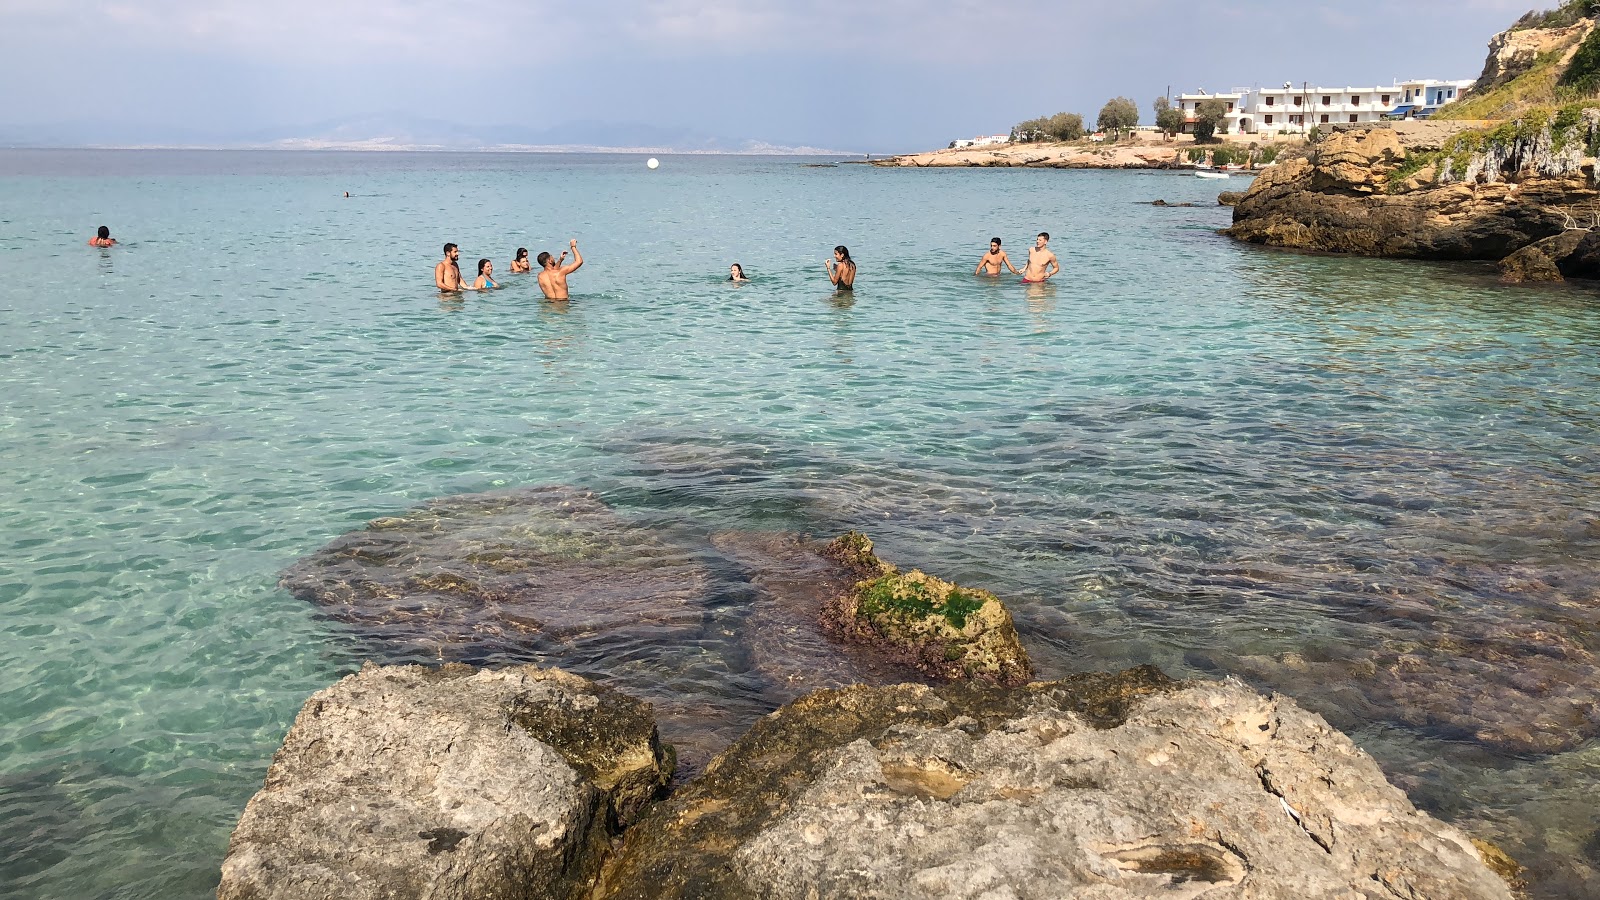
(842, 269)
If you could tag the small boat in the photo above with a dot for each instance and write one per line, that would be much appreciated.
(1200, 174)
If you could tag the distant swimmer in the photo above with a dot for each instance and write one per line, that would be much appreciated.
(485, 280)
(347, 195)
(447, 274)
(553, 275)
(1041, 262)
(842, 269)
(736, 274)
(993, 260)
(520, 264)
(103, 238)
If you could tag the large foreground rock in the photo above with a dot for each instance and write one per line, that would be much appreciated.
(405, 781)
(1111, 787)
(505, 575)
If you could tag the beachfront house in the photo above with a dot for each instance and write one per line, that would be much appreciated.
(986, 140)
(1421, 99)
(1189, 105)
(1296, 108)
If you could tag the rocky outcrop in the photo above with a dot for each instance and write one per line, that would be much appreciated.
(1043, 156)
(446, 783)
(1515, 52)
(1482, 195)
(942, 629)
(1111, 786)
(503, 575)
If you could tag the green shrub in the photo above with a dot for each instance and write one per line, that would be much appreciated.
(1583, 73)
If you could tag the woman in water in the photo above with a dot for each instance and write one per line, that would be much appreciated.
(842, 269)
(485, 272)
(520, 265)
(103, 238)
(736, 274)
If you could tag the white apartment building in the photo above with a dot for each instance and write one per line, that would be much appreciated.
(988, 140)
(1297, 108)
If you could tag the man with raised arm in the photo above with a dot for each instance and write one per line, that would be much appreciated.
(553, 275)
(1041, 262)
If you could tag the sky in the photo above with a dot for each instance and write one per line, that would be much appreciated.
(864, 76)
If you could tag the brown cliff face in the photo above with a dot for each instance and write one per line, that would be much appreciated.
(1515, 52)
(1482, 196)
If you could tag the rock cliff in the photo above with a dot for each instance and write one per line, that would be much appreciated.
(1480, 195)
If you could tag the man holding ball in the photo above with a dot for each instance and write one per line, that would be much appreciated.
(553, 275)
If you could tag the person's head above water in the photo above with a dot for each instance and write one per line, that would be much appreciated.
(451, 252)
(103, 233)
(735, 272)
(483, 264)
(1043, 238)
(994, 244)
(545, 259)
(522, 253)
(842, 253)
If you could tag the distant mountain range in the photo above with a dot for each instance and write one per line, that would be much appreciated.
(398, 131)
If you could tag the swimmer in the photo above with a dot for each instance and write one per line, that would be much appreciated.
(736, 274)
(553, 275)
(520, 264)
(347, 195)
(1042, 263)
(103, 238)
(842, 269)
(447, 274)
(992, 261)
(485, 280)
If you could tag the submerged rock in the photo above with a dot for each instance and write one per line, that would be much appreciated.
(405, 781)
(1112, 786)
(497, 574)
(943, 629)
(782, 630)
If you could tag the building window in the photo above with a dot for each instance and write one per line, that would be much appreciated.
(1352, 117)
(1452, 93)
(1230, 107)
(1324, 118)
(1269, 101)
(1356, 100)
(1327, 101)
(1385, 100)
(1298, 100)
(1269, 118)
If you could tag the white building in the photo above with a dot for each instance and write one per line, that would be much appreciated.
(1297, 108)
(987, 140)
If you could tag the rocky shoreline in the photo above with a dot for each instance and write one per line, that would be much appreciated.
(1047, 156)
(456, 781)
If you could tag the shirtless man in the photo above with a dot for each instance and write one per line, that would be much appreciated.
(447, 274)
(553, 275)
(103, 238)
(1041, 262)
(993, 260)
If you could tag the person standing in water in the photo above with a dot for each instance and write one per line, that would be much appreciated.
(103, 238)
(1042, 263)
(992, 261)
(520, 264)
(447, 274)
(553, 275)
(485, 280)
(842, 269)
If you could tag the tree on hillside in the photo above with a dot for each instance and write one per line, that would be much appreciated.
(1118, 115)
(1065, 126)
(1208, 115)
(1169, 120)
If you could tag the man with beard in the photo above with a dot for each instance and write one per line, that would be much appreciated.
(447, 274)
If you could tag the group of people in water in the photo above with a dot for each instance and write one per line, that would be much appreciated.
(553, 271)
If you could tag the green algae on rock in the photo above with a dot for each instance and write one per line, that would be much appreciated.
(940, 628)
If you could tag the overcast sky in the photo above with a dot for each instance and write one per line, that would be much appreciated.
(872, 75)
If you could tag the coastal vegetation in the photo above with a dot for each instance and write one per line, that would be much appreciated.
(1062, 126)
(1510, 144)
(1119, 116)
(1209, 116)
(1570, 13)
(1528, 72)
(1168, 120)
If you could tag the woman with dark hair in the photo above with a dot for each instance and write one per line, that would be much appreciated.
(842, 269)
(103, 238)
(736, 274)
(485, 276)
(520, 265)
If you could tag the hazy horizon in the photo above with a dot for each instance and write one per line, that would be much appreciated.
(715, 75)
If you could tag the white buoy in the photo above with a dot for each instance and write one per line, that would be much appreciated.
(653, 162)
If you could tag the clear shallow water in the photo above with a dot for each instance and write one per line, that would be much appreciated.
(1371, 485)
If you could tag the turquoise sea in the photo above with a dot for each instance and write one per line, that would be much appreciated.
(1371, 485)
